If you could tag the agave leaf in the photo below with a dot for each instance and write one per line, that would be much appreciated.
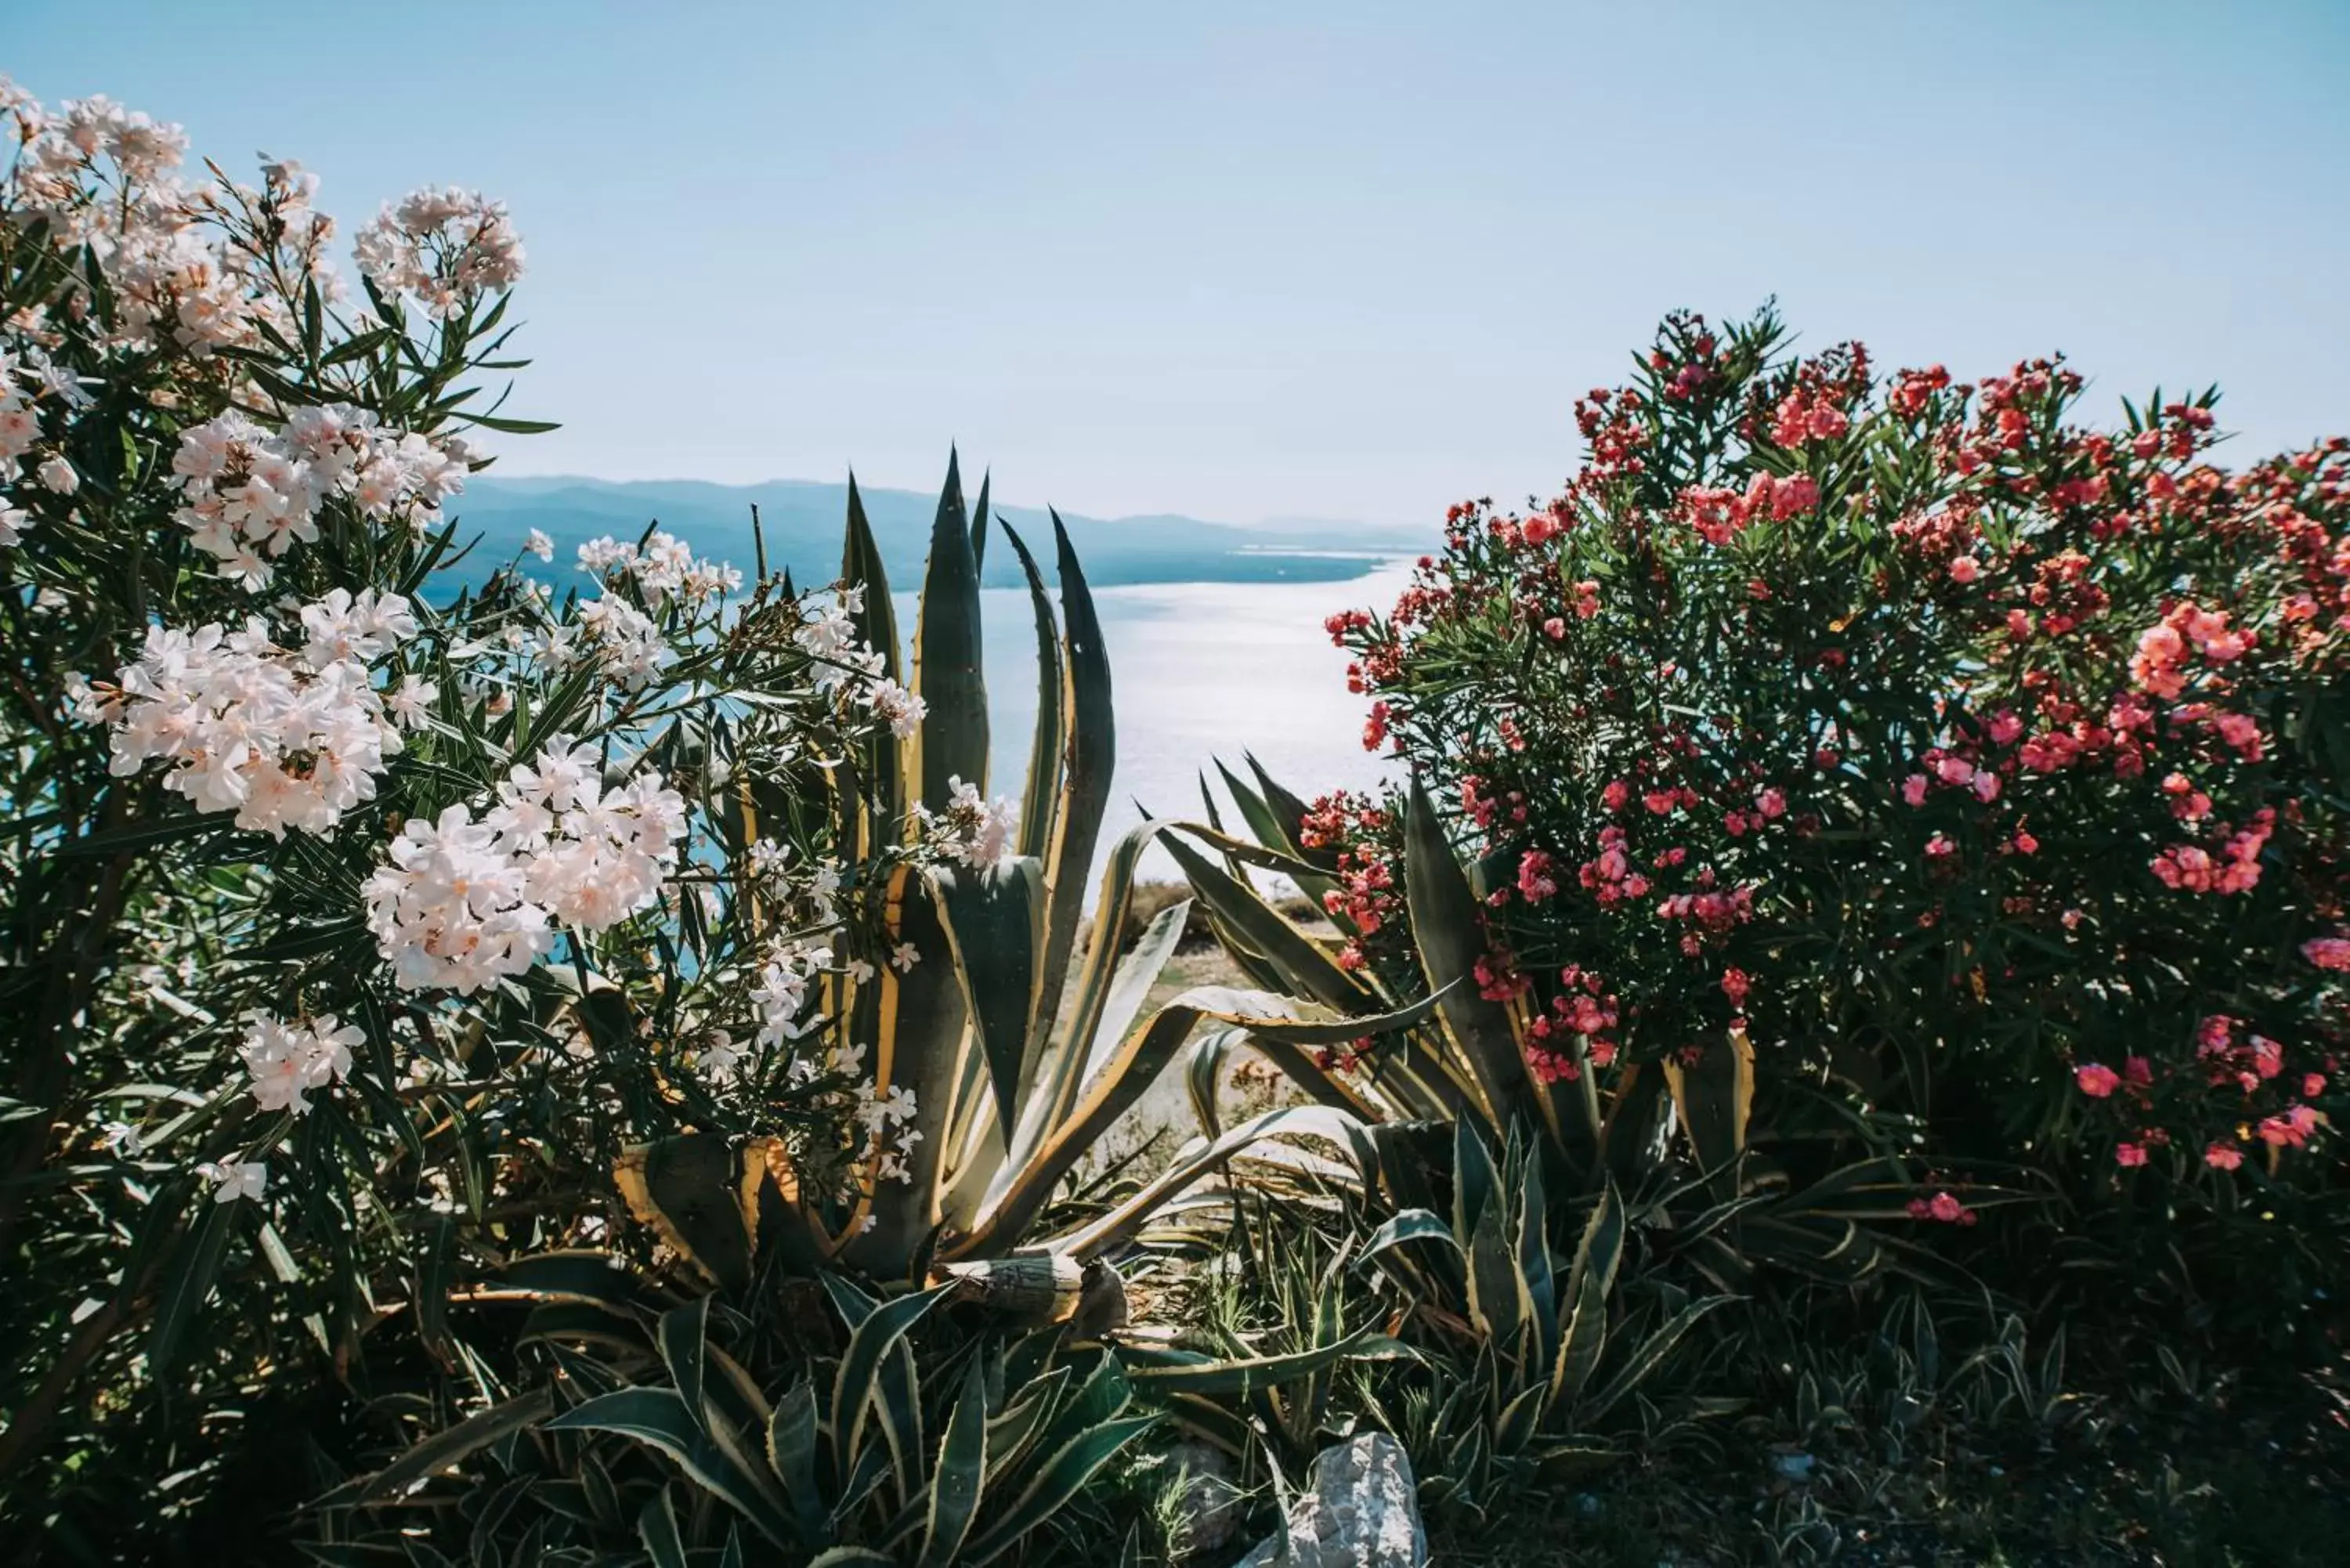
(1089, 754)
(791, 1454)
(1203, 1071)
(1450, 929)
(658, 1419)
(1196, 1160)
(853, 1557)
(1305, 965)
(901, 1421)
(1714, 1098)
(1131, 983)
(1410, 1225)
(920, 1040)
(1519, 1418)
(1499, 1301)
(1299, 871)
(961, 1472)
(1011, 1431)
(1057, 1062)
(1060, 1478)
(683, 1335)
(657, 1528)
(979, 525)
(993, 918)
(1644, 1360)
(445, 1448)
(1589, 1281)
(1129, 1074)
(1261, 822)
(1186, 1372)
(951, 741)
(1534, 1265)
(685, 1188)
(854, 1382)
(876, 625)
(1042, 797)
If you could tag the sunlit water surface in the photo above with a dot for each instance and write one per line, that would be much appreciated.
(1200, 670)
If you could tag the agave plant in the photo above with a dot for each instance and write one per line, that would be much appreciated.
(1017, 1055)
(1674, 1138)
(1534, 1353)
(870, 1443)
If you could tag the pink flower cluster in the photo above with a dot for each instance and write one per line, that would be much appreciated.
(2235, 869)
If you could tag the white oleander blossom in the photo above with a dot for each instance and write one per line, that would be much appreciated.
(236, 1179)
(198, 269)
(463, 902)
(447, 247)
(663, 568)
(628, 645)
(250, 493)
(973, 830)
(286, 1060)
(285, 738)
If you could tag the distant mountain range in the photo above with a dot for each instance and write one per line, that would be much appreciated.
(801, 521)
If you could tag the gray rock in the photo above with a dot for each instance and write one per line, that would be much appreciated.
(1362, 1512)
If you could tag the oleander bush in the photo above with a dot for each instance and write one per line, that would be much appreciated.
(1960, 783)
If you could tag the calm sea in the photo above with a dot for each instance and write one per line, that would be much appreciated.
(1200, 670)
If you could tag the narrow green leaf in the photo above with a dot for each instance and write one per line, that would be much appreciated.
(1042, 796)
(961, 1472)
(860, 1367)
(684, 1333)
(657, 1528)
(187, 1280)
(951, 742)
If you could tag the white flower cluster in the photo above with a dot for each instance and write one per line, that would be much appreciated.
(973, 830)
(202, 269)
(286, 1060)
(664, 569)
(462, 902)
(624, 639)
(447, 247)
(236, 1178)
(780, 995)
(251, 493)
(285, 738)
(829, 636)
(20, 426)
(885, 1121)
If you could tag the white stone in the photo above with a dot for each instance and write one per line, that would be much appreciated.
(1362, 1512)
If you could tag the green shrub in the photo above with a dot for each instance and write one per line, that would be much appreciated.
(1977, 773)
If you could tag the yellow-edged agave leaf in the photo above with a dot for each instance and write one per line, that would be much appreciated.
(689, 1188)
(1448, 924)
(979, 521)
(1058, 1063)
(1127, 1075)
(1089, 753)
(1040, 802)
(1305, 964)
(1714, 1097)
(952, 740)
(877, 779)
(1129, 986)
(1199, 1158)
(994, 922)
(1589, 1280)
(918, 1048)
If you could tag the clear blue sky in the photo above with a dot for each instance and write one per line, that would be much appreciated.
(1242, 260)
